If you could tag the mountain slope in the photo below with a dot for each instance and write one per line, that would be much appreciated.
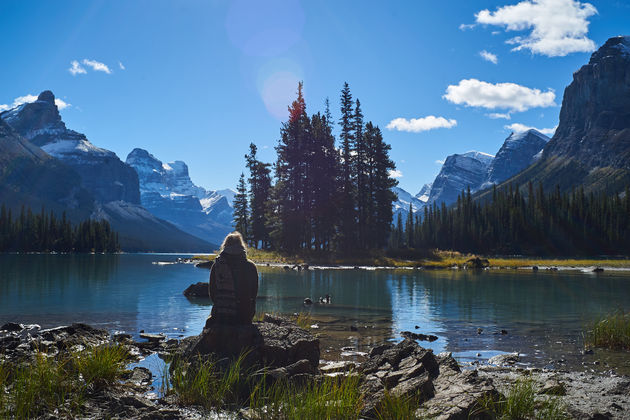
(30, 177)
(401, 205)
(517, 153)
(591, 146)
(102, 173)
(167, 191)
(459, 172)
(68, 173)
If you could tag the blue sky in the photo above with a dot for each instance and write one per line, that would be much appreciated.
(199, 80)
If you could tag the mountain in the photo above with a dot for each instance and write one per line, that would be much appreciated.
(46, 164)
(401, 205)
(31, 177)
(459, 172)
(425, 191)
(517, 153)
(101, 172)
(167, 191)
(591, 146)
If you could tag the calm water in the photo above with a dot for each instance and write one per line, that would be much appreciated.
(544, 313)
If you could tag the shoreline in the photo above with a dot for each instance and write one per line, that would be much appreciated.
(138, 394)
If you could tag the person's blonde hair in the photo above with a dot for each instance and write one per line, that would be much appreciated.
(234, 239)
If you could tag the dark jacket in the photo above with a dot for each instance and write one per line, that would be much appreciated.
(233, 288)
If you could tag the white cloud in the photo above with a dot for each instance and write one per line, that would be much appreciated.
(416, 125)
(476, 93)
(558, 27)
(26, 99)
(61, 104)
(97, 66)
(440, 162)
(488, 56)
(497, 115)
(519, 128)
(23, 100)
(76, 68)
(121, 65)
(395, 173)
(466, 26)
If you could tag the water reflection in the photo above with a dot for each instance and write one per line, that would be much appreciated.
(544, 313)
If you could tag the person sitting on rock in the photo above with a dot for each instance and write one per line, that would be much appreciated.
(233, 284)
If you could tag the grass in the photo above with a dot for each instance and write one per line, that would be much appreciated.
(304, 320)
(46, 384)
(520, 403)
(611, 331)
(397, 408)
(328, 398)
(432, 260)
(102, 365)
(204, 384)
(214, 385)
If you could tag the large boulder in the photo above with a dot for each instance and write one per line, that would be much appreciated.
(273, 343)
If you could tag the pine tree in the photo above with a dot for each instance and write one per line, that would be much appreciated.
(259, 193)
(241, 210)
(347, 225)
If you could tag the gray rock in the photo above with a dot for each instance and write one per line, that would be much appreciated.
(504, 359)
(274, 343)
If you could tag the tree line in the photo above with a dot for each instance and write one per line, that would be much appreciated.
(44, 232)
(323, 196)
(530, 223)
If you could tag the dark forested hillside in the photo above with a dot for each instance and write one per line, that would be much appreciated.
(43, 232)
(534, 223)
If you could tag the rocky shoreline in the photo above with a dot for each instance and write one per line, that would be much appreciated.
(441, 388)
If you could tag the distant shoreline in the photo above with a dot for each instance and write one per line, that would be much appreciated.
(440, 261)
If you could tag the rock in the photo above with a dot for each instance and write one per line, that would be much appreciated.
(154, 338)
(553, 387)
(415, 336)
(141, 376)
(477, 263)
(205, 264)
(308, 301)
(197, 290)
(504, 359)
(535, 268)
(404, 369)
(335, 367)
(479, 330)
(12, 327)
(457, 396)
(598, 270)
(274, 342)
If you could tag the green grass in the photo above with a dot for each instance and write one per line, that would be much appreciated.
(203, 383)
(520, 403)
(102, 365)
(327, 398)
(397, 408)
(435, 259)
(611, 331)
(47, 384)
(304, 320)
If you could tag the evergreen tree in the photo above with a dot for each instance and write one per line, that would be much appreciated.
(259, 193)
(241, 210)
(347, 225)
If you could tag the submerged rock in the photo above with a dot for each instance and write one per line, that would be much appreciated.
(197, 290)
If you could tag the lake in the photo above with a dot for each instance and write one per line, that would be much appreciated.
(544, 312)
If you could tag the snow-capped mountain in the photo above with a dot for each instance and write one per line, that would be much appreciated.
(401, 205)
(517, 153)
(425, 191)
(459, 172)
(101, 172)
(94, 181)
(167, 191)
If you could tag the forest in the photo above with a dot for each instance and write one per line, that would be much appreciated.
(44, 232)
(531, 223)
(322, 197)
